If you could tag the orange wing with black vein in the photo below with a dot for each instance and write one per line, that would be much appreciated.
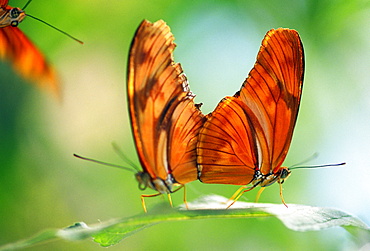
(164, 118)
(254, 128)
(227, 147)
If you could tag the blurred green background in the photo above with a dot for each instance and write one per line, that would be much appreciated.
(43, 186)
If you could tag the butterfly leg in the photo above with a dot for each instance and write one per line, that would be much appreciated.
(237, 195)
(170, 199)
(281, 194)
(147, 196)
(259, 193)
(143, 196)
(185, 201)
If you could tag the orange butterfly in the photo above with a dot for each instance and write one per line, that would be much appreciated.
(246, 139)
(16, 47)
(164, 119)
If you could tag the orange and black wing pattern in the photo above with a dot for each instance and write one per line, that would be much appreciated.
(164, 118)
(26, 59)
(251, 131)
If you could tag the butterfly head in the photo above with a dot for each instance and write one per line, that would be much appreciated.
(143, 179)
(157, 184)
(279, 174)
(14, 17)
(284, 174)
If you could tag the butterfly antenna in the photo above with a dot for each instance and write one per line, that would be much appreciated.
(25, 6)
(312, 157)
(318, 166)
(55, 28)
(104, 163)
(123, 156)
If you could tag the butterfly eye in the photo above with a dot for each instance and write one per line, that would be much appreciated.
(14, 23)
(284, 175)
(143, 180)
(14, 13)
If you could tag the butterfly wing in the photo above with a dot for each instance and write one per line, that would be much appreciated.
(165, 121)
(3, 3)
(227, 148)
(273, 93)
(254, 128)
(26, 58)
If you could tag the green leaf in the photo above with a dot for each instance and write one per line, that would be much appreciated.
(295, 217)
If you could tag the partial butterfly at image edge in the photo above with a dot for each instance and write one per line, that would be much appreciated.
(26, 59)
